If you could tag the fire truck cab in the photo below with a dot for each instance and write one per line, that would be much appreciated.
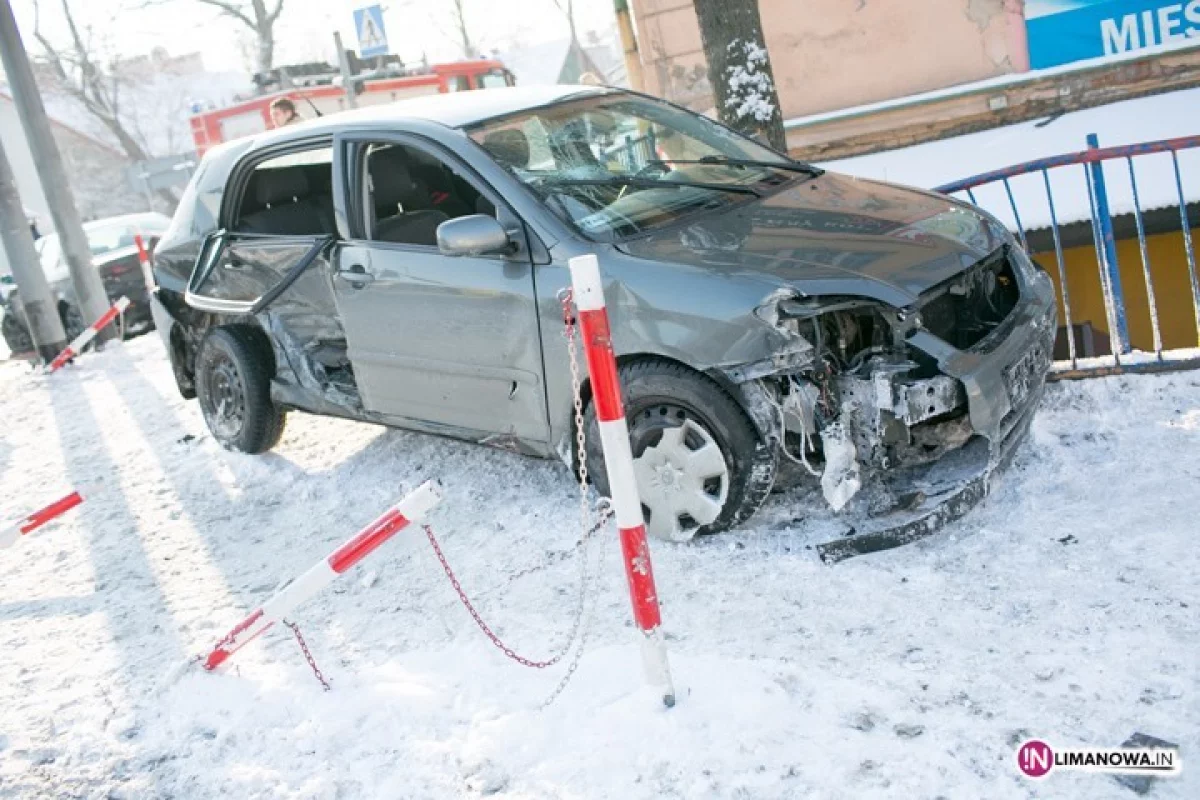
(318, 92)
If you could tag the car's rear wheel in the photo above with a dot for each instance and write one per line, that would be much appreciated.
(15, 334)
(233, 383)
(700, 465)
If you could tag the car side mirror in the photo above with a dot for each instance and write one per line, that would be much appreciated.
(474, 235)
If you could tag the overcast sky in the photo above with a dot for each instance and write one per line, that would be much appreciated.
(306, 28)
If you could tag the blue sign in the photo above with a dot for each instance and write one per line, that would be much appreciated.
(372, 38)
(1062, 31)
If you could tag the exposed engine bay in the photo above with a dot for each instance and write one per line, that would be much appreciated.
(868, 400)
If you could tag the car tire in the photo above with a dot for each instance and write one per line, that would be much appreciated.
(15, 335)
(72, 321)
(675, 416)
(233, 384)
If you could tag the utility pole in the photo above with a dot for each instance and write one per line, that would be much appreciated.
(629, 46)
(40, 313)
(93, 300)
(347, 77)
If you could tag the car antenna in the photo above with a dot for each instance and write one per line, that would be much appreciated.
(313, 106)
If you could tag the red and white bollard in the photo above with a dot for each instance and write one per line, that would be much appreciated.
(412, 509)
(89, 333)
(10, 533)
(588, 293)
(144, 262)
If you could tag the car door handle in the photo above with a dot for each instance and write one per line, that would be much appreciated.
(356, 275)
(237, 266)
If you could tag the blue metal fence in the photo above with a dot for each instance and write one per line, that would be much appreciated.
(1104, 240)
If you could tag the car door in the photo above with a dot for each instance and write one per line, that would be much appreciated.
(272, 260)
(451, 344)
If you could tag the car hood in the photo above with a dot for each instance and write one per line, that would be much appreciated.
(835, 235)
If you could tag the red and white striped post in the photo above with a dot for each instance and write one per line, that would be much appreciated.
(144, 262)
(588, 293)
(10, 533)
(89, 333)
(412, 509)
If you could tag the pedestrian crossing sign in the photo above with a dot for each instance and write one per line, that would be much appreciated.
(372, 39)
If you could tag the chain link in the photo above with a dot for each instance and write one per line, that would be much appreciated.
(483, 626)
(308, 656)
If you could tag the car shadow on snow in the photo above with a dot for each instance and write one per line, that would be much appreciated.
(138, 618)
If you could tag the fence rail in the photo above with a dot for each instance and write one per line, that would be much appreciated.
(1175, 352)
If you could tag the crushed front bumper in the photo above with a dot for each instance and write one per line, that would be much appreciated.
(1003, 377)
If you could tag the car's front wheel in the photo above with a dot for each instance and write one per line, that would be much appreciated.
(233, 384)
(700, 464)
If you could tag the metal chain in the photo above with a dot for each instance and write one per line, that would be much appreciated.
(570, 331)
(606, 513)
(308, 656)
(483, 626)
(567, 298)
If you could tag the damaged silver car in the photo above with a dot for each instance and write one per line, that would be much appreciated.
(403, 265)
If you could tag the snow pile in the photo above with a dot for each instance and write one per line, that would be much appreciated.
(1144, 119)
(1065, 608)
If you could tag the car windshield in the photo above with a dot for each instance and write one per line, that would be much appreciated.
(615, 165)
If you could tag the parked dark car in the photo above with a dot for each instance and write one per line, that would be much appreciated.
(114, 255)
(402, 265)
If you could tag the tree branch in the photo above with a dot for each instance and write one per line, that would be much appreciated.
(233, 10)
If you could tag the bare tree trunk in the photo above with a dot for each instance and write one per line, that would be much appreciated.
(256, 15)
(265, 51)
(460, 28)
(739, 68)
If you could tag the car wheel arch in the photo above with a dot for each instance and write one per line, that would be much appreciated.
(713, 374)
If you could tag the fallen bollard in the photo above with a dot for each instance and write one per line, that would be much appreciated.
(412, 508)
(588, 294)
(89, 333)
(11, 533)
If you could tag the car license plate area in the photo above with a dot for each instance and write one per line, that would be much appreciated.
(1024, 374)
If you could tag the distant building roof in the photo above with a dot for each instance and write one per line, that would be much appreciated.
(1144, 119)
(62, 125)
(557, 61)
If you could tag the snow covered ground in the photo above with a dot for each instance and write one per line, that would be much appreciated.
(1065, 608)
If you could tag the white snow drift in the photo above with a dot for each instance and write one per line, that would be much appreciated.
(1065, 608)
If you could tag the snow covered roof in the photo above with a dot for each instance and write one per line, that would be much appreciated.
(544, 64)
(1163, 116)
(537, 64)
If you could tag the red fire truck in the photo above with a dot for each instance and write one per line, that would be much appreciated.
(322, 94)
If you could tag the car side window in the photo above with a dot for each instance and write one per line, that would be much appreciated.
(289, 195)
(412, 192)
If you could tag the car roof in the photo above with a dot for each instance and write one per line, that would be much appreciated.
(143, 218)
(453, 109)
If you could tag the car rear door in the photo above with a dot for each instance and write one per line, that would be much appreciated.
(274, 261)
(448, 344)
